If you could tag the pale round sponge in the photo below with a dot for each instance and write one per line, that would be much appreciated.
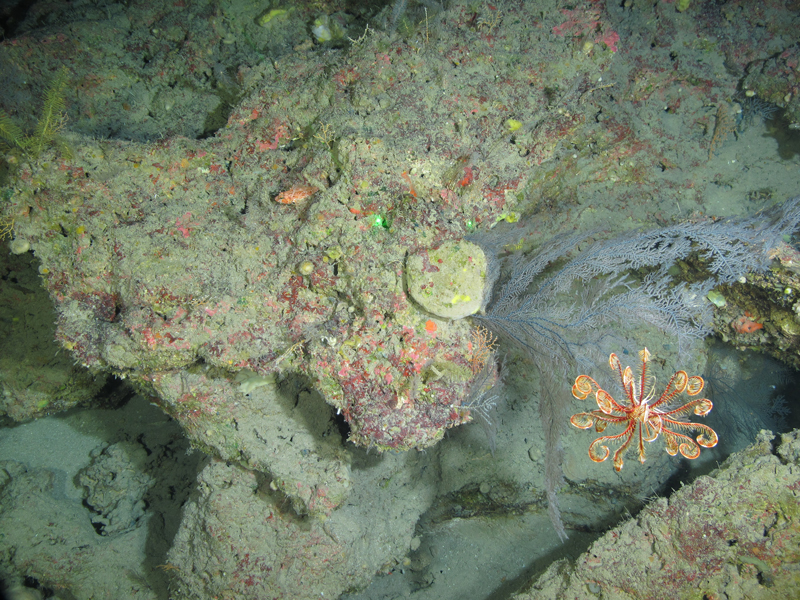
(448, 281)
(19, 246)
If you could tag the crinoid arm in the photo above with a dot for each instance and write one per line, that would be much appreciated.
(676, 385)
(583, 420)
(598, 450)
(707, 437)
(599, 420)
(588, 420)
(651, 428)
(607, 404)
(629, 385)
(701, 407)
(695, 385)
(678, 442)
(584, 385)
(689, 448)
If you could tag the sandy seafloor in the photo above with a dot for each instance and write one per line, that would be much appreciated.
(484, 532)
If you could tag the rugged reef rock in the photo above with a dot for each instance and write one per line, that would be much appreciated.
(731, 534)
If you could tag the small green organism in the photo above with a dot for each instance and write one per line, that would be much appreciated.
(379, 221)
(513, 125)
(51, 122)
(682, 5)
(267, 16)
(717, 299)
(333, 254)
(10, 133)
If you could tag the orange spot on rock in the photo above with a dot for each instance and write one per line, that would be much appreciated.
(746, 325)
(296, 193)
(411, 189)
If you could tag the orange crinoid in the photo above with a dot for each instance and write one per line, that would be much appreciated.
(641, 416)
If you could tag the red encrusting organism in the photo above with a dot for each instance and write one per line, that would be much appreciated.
(296, 193)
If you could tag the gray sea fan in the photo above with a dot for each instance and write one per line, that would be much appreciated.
(571, 307)
(754, 108)
(482, 397)
(779, 411)
(560, 305)
(398, 8)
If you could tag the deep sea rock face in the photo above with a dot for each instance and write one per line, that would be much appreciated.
(180, 265)
(172, 265)
(272, 286)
